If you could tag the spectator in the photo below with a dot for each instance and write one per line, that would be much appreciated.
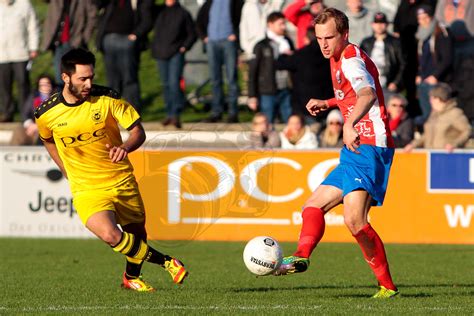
(311, 76)
(174, 35)
(447, 127)
(388, 7)
(435, 55)
(401, 125)
(458, 15)
(253, 23)
(385, 51)
(68, 24)
(121, 36)
(405, 26)
(332, 135)
(19, 37)
(27, 133)
(218, 27)
(301, 14)
(263, 135)
(269, 87)
(360, 19)
(463, 77)
(297, 136)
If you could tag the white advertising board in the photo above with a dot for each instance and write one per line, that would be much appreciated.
(35, 200)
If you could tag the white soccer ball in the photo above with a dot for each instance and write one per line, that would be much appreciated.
(262, 255)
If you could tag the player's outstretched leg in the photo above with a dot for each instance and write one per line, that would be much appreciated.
(132, 278)
(374, 253)
(138, 249)
(311, 233)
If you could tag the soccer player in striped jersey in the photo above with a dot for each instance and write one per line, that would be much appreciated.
(360, 179)
(79, 127)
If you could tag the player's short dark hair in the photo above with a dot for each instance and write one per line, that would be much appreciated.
(274, 16)
(76, 56)
(342, 22)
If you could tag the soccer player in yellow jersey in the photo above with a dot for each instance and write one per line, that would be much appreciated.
(79, 128)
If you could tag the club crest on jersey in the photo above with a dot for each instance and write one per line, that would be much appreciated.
(96, 115)
(339, 94)
(338, 76)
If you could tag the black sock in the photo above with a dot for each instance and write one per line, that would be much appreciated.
(137, 249)
(154, 256)
(133, 270)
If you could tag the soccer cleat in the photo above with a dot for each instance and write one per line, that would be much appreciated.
(385, 293)
(292, 264)
(136, 284)
(176, 269)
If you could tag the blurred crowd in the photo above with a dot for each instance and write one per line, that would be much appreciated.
(423, 49)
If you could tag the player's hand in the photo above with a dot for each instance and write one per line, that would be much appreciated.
(232, 38)
(116, 154)
(314, 106)
(350, 137)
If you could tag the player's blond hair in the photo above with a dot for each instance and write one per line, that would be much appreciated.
(342, 22)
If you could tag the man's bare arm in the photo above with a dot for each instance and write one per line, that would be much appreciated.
(135, 140)
(50, 146)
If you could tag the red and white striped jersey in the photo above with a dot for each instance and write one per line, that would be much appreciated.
(354, 71)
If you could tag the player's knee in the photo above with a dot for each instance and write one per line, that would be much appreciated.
(111, 237)
(353, 224)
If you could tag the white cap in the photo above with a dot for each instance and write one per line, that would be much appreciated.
(335, 115)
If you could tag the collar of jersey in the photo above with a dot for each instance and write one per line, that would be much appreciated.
(63, 101)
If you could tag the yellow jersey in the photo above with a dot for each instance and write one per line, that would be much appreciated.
(81, 132)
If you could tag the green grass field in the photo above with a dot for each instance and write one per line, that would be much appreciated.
(82, 277)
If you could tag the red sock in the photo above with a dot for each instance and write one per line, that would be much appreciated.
(311, 232)
(374, 253)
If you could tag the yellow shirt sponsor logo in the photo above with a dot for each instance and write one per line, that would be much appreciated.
(82, 131)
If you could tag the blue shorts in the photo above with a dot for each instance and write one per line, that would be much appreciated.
(367, 171)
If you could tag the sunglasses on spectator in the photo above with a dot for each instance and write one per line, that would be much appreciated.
(335, 123)
(397, 105)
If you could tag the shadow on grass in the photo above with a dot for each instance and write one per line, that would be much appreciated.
(416, 295)
(342, 287)
(459, 285)
(300, 288)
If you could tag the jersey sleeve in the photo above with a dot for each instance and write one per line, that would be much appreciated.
(44, 131)
(356, 73)
(124, 113)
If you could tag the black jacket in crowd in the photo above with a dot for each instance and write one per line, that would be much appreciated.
(442, 54)
(404, 133)
(311, 75)
(394, 59)
(262, 69)
(143, 21)
(174, 28)
(202, 19)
